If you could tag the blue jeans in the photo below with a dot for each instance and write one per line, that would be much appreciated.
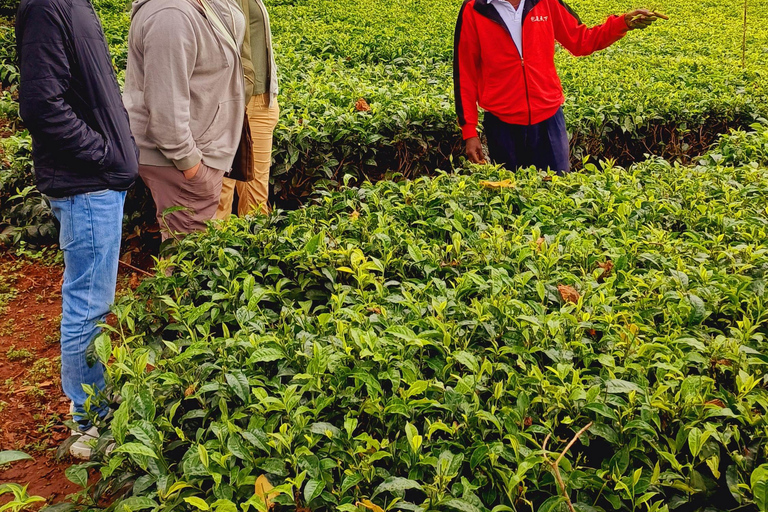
(90, 235)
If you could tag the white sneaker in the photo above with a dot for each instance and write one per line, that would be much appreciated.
(83, 447)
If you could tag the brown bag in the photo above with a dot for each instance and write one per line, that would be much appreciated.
(243, 166)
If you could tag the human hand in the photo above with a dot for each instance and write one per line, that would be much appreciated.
(475, 151)
(191, 173)
(642, 18)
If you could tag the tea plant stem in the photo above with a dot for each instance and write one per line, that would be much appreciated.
(573, 441)
(136, 269)
(556, 465)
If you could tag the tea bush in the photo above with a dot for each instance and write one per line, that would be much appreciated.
(413, 346)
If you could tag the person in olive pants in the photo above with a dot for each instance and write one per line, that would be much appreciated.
(261, 90)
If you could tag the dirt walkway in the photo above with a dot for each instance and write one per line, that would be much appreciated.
(32, 404)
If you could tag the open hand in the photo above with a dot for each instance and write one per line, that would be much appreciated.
(475, 151)
(642, 18)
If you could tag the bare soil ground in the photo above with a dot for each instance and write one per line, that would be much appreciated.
(32, 404)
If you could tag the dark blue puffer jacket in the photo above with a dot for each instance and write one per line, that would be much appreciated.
(70, 100)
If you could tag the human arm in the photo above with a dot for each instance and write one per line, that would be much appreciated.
(581, 40)
(466, 64)
(170, 51)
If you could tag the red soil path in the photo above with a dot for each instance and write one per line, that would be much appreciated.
(32, 404)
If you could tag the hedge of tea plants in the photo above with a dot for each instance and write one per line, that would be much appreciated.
(435, 345)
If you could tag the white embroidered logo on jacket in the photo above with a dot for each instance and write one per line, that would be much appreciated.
(539, 18)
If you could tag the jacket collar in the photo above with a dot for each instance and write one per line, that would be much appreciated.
(484, 8)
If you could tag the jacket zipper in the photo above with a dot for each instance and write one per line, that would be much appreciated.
(525, 73)
(522, 62)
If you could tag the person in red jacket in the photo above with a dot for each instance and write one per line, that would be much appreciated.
(504, 61)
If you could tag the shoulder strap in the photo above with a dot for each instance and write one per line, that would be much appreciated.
(219, 25)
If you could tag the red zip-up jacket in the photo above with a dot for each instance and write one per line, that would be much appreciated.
(489, 72)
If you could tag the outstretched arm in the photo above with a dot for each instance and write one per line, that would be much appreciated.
(581, 40)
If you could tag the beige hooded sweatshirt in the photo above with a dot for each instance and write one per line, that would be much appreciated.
(184, 86)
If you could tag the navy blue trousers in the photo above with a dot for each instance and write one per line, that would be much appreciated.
(544, 145)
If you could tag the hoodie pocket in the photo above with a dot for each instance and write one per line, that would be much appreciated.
(223, 132)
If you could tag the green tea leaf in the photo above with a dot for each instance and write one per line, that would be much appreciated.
(617, 386)
(759, 483)
(461, 505)
(239, 384)
(10, 456)
(467, 360)
(198, 503)
(103, 347)
(396, 485)
(312, 490)
(314, 243)
(136, 449)
(78, 475)
(694, 441)
(135, 503)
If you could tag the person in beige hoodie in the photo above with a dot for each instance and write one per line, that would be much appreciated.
(184, 92)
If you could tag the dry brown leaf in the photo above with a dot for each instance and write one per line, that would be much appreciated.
(540, 242)
(190, 390)
(528, 421)
(607, 269)
(716, 402)
(497, 184)
(362, 105)
(264, 491)
(569, 293)
(354, 215)
(370, 505)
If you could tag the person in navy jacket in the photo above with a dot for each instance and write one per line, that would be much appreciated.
(85, 160)
(504, 61)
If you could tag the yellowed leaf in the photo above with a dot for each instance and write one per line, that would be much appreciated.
(263, 490)
(498, 184)
(370, 505)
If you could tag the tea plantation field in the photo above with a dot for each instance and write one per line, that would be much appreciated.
(433, 345)
(665, 91)
(469, 339)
